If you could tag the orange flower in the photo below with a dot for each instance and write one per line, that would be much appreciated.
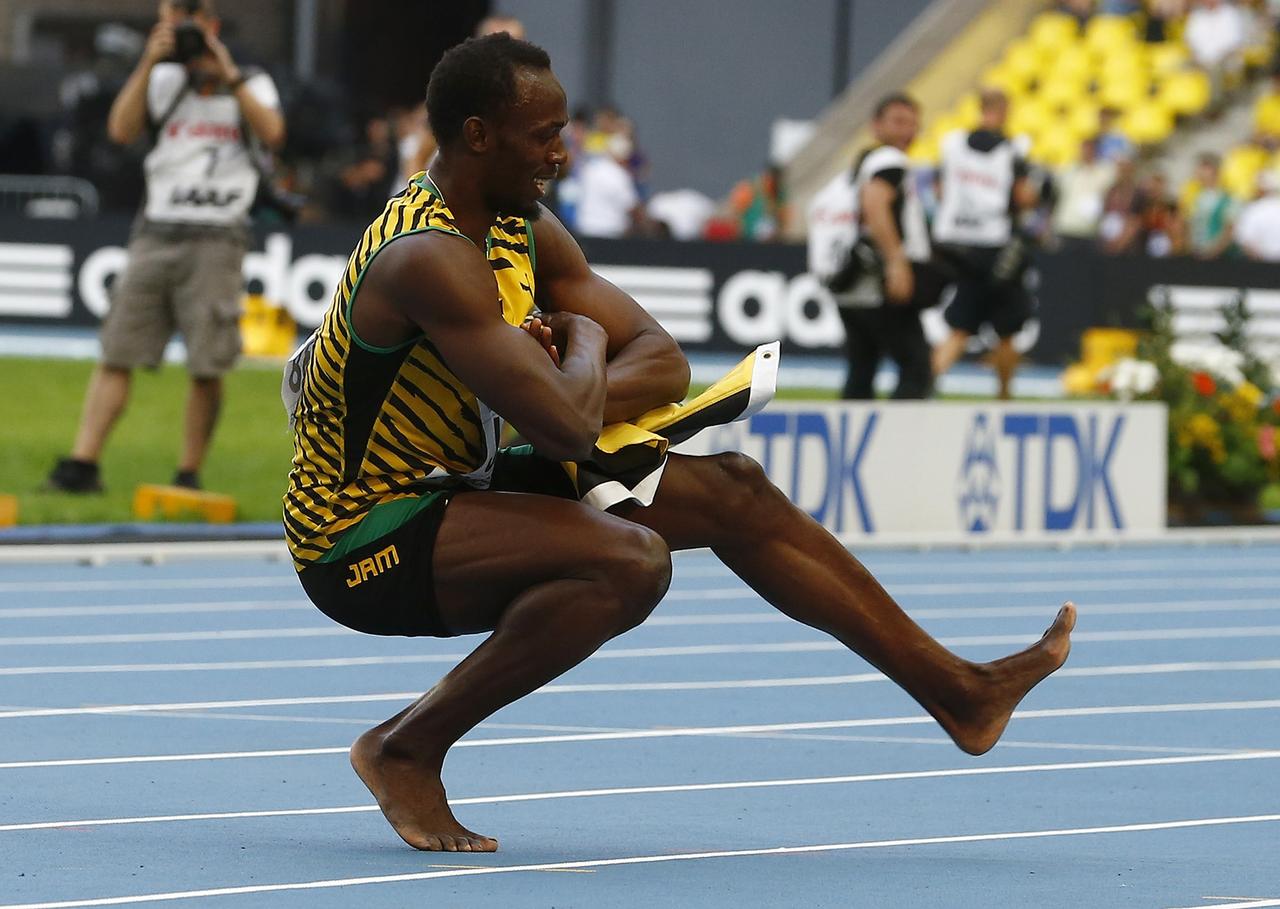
(1203, 383)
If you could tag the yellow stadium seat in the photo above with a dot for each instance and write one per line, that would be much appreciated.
(1056, 146)
(1082, 117)
(1185, 92)
(1266, 115)
(924, 150)
(967, 110)
(1259, 54)
(1029, 117)
(1147, 124)
(1024, 58)
(1010, 81)
(1106, 34)
(1123, 65)
(1053, 30)
(1072, 62)
(1124, 90)
(1168, 57)
(1240, 170)
(1187, 196)
(1063, 91)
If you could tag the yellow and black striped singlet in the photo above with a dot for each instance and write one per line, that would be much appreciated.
(373, 425)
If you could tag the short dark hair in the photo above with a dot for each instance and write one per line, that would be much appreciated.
(477, 78)
(894, 99)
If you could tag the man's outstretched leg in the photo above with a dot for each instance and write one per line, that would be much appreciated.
(727, 503)
(553, 579)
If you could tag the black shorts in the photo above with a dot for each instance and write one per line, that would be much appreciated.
(980, 299)
(385, 585)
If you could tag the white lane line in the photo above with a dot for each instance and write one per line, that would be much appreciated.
(860, 678)
(1246, 904)
(1004, 743)
(1002, 567)
(251, 634)
(671, 732)
(1072, 584)
(221, 582)
(650, 859)
(202, 606)
(1058, 767)
(762, 616)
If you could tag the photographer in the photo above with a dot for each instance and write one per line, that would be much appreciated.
(985, 189)
(869, 245)
(209, 120)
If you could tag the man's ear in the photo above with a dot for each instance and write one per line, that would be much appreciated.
(477, 134)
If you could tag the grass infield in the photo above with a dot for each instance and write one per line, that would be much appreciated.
(40, 409)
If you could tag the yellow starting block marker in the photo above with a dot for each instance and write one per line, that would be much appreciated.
(175, 503)
(8, 510)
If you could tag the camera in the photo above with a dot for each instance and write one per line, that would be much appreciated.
(188, 37)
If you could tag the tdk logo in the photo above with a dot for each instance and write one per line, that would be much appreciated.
(1070, 456)
(979, 478)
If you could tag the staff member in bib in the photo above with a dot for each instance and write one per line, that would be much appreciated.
(208, 118)
(868, 243)
(984, 186)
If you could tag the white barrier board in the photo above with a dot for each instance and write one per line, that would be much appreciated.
(957, 472)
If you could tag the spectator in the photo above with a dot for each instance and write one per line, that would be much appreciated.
(607, 201)
(1080, 10)
(984, 189)
(1211, 212)
(185, 255)
(358, 188)
(1082, 188)
(869, 245)
(1119, 228)
(1162, 232)
(685, 212)
(1216, 33)
(1266, 114)
(759, 206)
(1112, 144)
(1258, 227)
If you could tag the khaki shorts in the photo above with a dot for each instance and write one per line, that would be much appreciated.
(178, 279)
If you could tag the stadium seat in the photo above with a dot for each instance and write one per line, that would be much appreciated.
(1029, 116)
(1024, 58)
(1266, 115)
(1083, 117)
(1074, 61)
(925, 149)
(1147, 124)
(1167, 57)
(1240, 170)
(1186, 92)
(1104, 35)
(1064, 91)
(967, 111)
(1056, 146)
(1052, 31)
(1009, 81)
(1125, 90)
(1187, 196)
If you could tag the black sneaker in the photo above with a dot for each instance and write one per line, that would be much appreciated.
(72, 475)
(187, 479)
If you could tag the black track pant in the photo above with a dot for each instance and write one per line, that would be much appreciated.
(887, 330)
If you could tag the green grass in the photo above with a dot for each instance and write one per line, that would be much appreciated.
(40, 402)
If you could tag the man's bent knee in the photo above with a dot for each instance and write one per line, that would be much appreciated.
(639, 571)
(739, 484)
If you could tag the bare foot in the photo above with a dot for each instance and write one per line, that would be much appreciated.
(412, 799)
(978, 725)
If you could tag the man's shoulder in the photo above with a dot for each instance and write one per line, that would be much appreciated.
(884, 158)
